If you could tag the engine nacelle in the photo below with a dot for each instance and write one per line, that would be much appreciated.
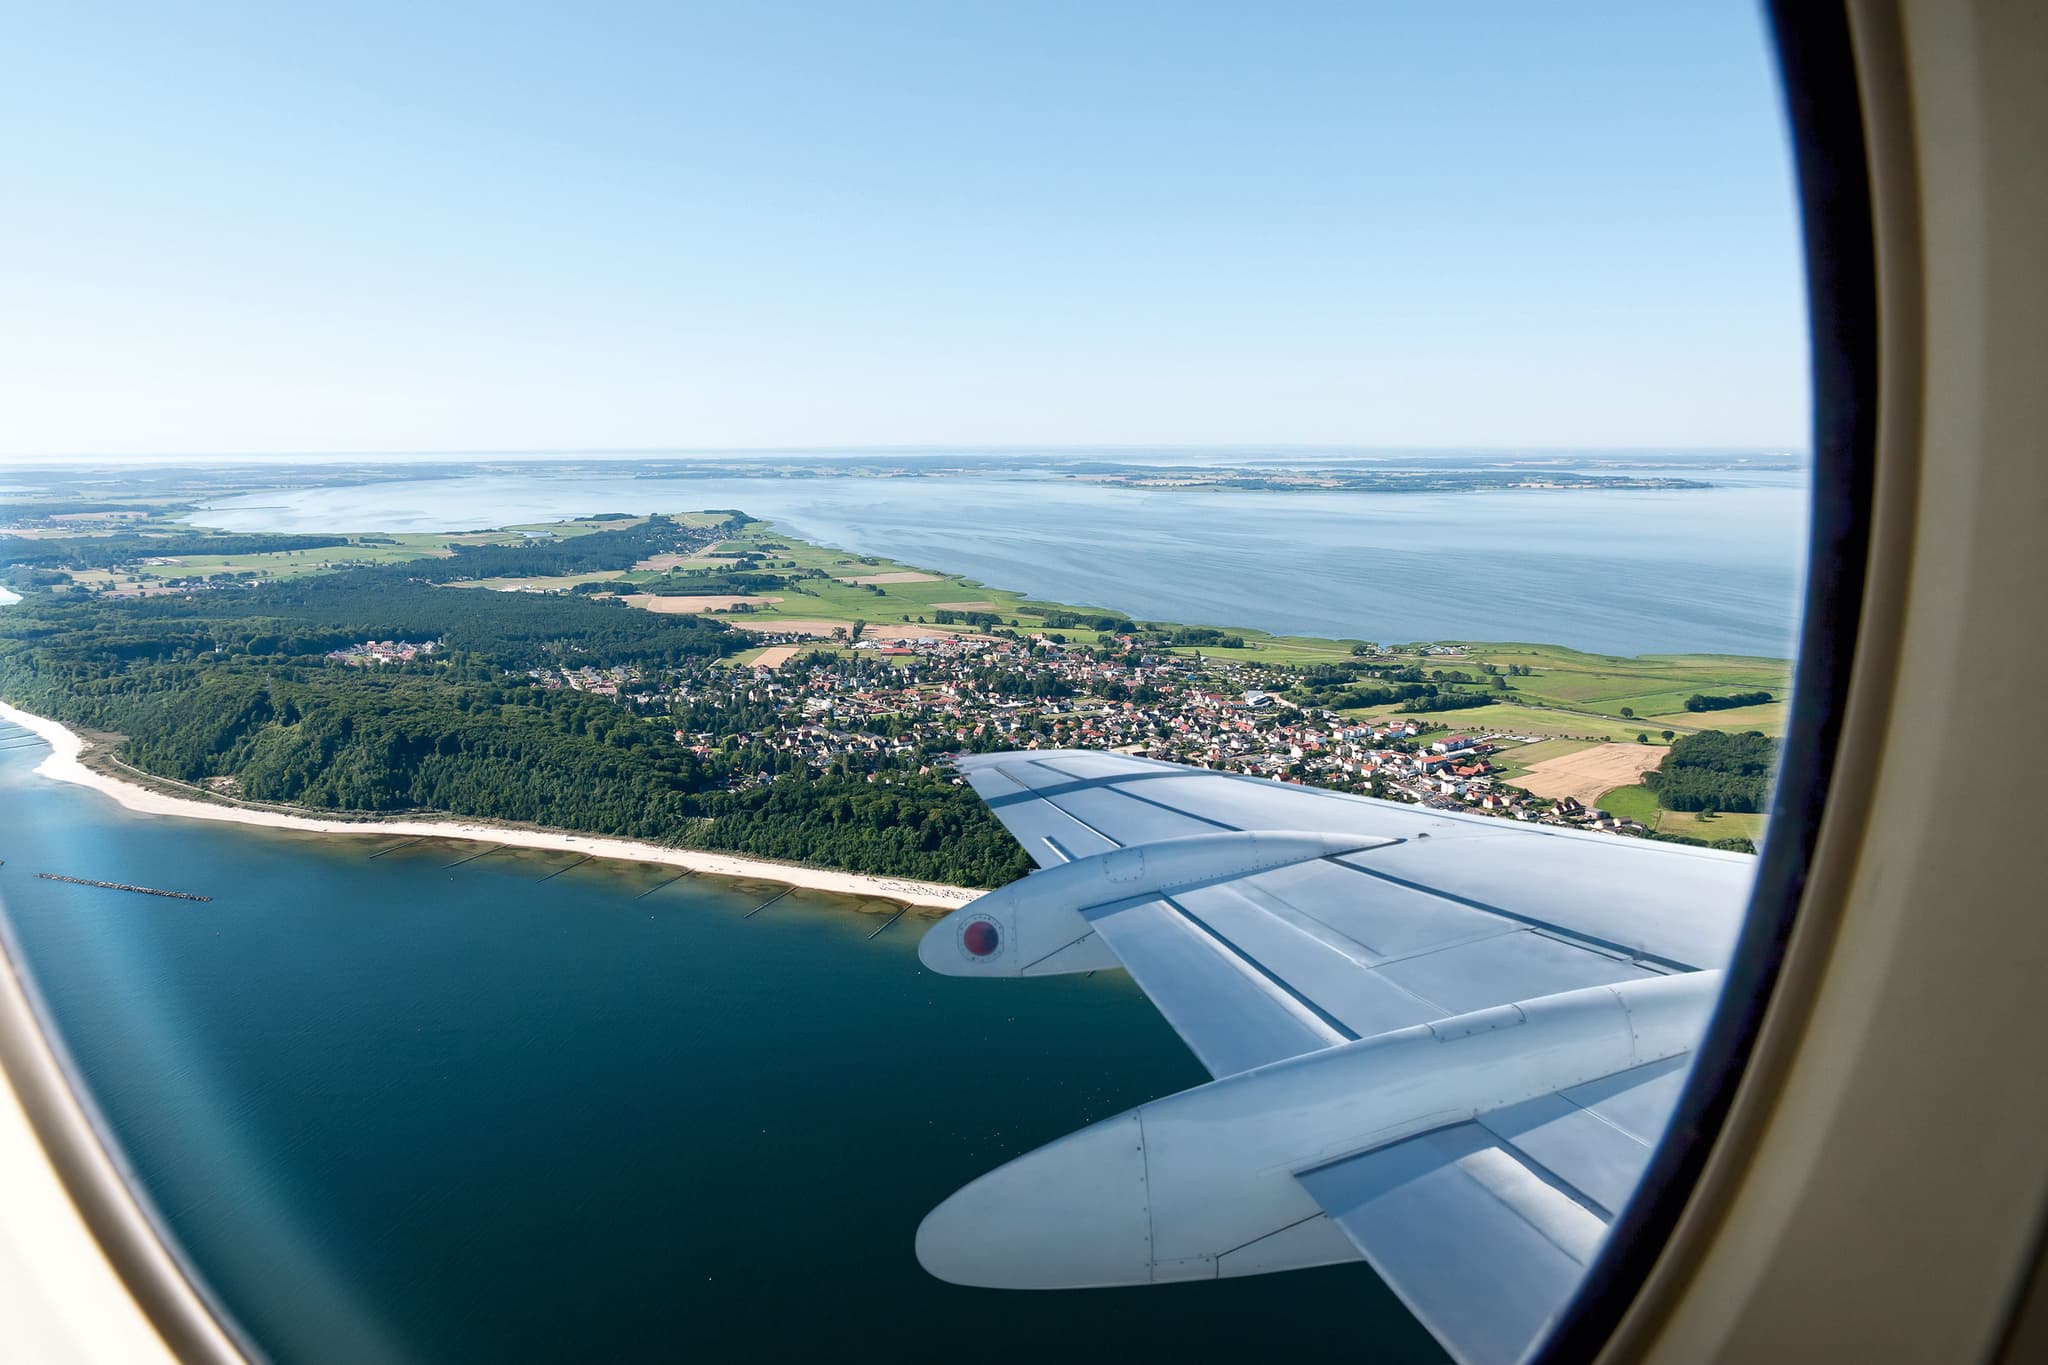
(1036, 927)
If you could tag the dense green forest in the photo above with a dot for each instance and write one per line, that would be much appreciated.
(547, 556)
(236, 684)
(105, 552)
(1716, 771)
(1701, 701)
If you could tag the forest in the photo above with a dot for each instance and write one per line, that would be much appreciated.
(1700, 701)
(1715, 770)
(235, 685)
(106, 552)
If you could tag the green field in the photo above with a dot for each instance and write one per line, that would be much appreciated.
(1518, 760)
(368, 549)
(1728, 825)
(1640, 803)
(1635, 802)
(1768, 717)
(1512, 719)
(278, 564)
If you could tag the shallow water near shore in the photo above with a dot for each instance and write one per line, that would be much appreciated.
(399, 1106)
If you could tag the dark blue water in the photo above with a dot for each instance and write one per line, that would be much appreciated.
(1711, 571)
(395, 1110)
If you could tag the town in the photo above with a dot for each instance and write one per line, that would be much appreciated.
(877, 705)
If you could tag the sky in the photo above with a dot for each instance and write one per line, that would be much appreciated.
(281, 228)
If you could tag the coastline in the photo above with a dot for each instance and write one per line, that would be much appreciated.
(64, 764)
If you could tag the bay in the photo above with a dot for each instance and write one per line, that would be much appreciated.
(394, 1109)
(1712, 570)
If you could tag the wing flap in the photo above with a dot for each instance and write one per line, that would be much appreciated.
(1231, 1016)
(1481, 1249)
(1485, 1228)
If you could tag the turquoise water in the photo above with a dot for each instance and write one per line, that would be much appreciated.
(1713, 570)
(397, 1110)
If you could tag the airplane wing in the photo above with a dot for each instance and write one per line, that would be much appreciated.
(1444, 1043)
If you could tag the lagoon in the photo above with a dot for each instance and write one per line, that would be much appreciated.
(1714, 570)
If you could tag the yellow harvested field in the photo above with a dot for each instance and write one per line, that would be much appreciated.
(554, 583)
(905, 576)
(775, 656)
(968, 606)
(808, 626)
(1589, 773)
(687, 606)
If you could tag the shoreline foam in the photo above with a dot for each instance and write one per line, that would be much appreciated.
(64, 764)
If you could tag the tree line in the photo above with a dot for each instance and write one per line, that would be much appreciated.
(128, 547)
(1715, 770)
(1700, 701)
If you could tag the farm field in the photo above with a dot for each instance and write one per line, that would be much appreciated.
(790, 625)
(1727, 825)
(686, 606)
(898, 576)
(1768, 717)
(1633, 802)
(1518, 759)
(1589, 773)
(1513, 719)
(544, 583)
(1637, 802)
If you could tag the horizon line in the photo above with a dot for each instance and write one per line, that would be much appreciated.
(38, 459)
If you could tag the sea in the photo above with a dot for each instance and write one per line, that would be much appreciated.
(1713, 570)
(396, 1102)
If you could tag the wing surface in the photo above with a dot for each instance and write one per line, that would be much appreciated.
(1444, 1043)
(1485, 1228)
(1445, 914)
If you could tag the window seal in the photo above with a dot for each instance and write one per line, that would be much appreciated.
(1824, 109)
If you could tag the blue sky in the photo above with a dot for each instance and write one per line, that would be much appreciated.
(359, 227)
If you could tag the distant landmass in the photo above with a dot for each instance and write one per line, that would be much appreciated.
(708, 681)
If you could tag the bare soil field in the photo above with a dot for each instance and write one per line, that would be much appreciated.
(902, 576)
(701, 559)
(1589, 773)
(807, 626)
(687, 606)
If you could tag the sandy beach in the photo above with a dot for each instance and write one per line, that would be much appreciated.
(65, 765)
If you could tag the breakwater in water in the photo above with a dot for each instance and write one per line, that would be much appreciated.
(123, 886)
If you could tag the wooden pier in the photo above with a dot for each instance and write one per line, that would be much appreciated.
(122, 886)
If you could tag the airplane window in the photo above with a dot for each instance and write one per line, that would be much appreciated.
(658, 660)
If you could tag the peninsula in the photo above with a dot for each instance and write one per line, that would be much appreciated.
(701, 690)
